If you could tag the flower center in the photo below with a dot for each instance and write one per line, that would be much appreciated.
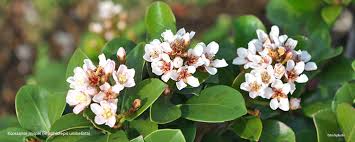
(122, 78)
(154, 54)
(178, 47)
(81, 98)
(191, 60)
(291, 75)
(166, 66)
(107, 113)
(183, 75)
(265, 77)
(278, 94)
(254, 87)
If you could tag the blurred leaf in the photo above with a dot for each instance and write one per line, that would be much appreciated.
(163, 111)
(144, 127)
(92, 44)
(215, 104)
(311, 109)
(330, 13)
(346, 117)
(325, 123)
(68, 122)
(8, 121)
(135, 60)
(337, 71)
(276, 131)
(165, 135)
(248, 127)
(159, 18)
(76, 60)
(353, 65)
(118, 136)
(111, 47)
(219, 31)
(345, 94)
(10, 135)
(148, 91)
(227, 50)
(37, 109)
(245, 29)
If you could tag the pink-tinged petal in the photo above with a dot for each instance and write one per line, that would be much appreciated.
(291, 43)
(286, 88)
(274, 34)
(242, 52)
(110, 66)
(292, 87)
(99, 97)
(79, 71)
(299, 68)
(113, 105)
(174, 75)
(121, 52)
(102, 60)
(239, 61)
(244, 86)
(166, 77)
(117, 88)
(219, 63)
(274, 104)
(111, 121)
(70, 80)
(252, 49)
(268, 93)
(310, 66)
(168, 36)
(165, 57)
(88, 65)
(155, 42)
(96, 108)
(147, 57)
(131, 73)
(105, 86)
(262, 36)
(302, 78)
(78, 108)
(121, 68)
(181, 84)
(211, 70)
(130, 83)
(193, 81)
(290, 65)
(166, 47)
(99, 120)
(249, 77)
(284, 104)
(71, 98)
(156, 69)
(277, 84)
(212, 48)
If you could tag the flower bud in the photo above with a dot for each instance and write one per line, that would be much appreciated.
(295, 103)
(121, 55)
(136, 103)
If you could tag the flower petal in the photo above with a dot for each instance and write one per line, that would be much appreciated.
(274, 104)
(99, 120)
(242, 52)
(219, 63)
(211, 70)
(299, 68)
(302, 78)
(212, 48)
(181, 84)
(111, 121)
(193, 81)
(239, 61)
(284, 104)
(290, 65)
(310, 66)
(96, 108)
(78, 108)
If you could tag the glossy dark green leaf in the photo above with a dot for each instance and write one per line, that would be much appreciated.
(158, 18)
(326, 125)
(165, 135)
(302, 126)
(148, 91)
(137, 139)
(118, 136)
(346, 117)
(330, 13)
(215, 104)
(345, 94)
(111, 47)
(337, 71)
(249, 127)
(11, 134)
(245, 29)
(144, 127)
(276, 131)
(189, 131)
(37, 109)
(76, 60)
(135, 60)
(163, 111)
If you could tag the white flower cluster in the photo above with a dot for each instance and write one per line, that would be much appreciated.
(109, 19)
(276, 66)
(90, 84)
(171, 58)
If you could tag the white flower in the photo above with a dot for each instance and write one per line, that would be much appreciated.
(278, 92)
(183, 76)
(105, 113)
(279, 70)
(194, 55)
(293, 74)
(124, 77)
(253, 84)
(295, 103)
(163, 68)
(107, 64)
(80, 81)
(154, 49)
(78, 99)
(212, 64)
(247, 58)
(121, 54)
(306, 57)
(107, 93)
(88, 65)
(178, 62)
(107, 9)
(181, 34)
(267, 75)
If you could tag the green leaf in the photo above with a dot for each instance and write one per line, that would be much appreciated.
(111, 47)
(159, 18)
(144, 127)
(76, 135)
(189, 131)
(92, 44)
(245, 29)
(137, 139)
(345, 94)
(353, 65)
(276, 131)
(337, 71)
(9, 135)
(330, 13)
(118, 136)
(135, 60)
(215, 104)
(302, 126)
(346, 118)
(76, 60)
(238, 80)
(219, 31)
(163, 111)
(68, 122)
(37, 109)
(311, 109)
(8, 121)
(148, 92)
(325, 122)
(249, 127)
(95, 138)
(165, 135)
